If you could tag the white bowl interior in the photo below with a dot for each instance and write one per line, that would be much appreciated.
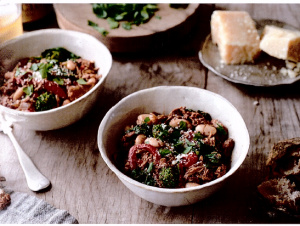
(33, 44)
(164, 99)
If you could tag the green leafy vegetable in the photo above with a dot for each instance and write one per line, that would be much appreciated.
(34, 67)
(160, 132)
(142, 176)
(150, 167)
(45, 101)
(131, 13)
(141, 129)
(58, 80)
(97, 28)
(164, 152)
(221, 130)
(212, 160)
(198, 136)
(60, 54)
(81, 81)
(168, 177)
(19, 73)
(28, 90)
(43, 69)
(112, 23)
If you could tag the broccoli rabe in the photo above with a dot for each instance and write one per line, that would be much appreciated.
(143, 176)
(168, 177)
(45, 102)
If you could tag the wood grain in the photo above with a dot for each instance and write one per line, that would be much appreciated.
(82, 183)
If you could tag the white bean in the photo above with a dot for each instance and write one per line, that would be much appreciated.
(206, 130)
(18, 94)
(140, 139)
(141, 118)
(71, 65)
(154, 142)
(175, 122)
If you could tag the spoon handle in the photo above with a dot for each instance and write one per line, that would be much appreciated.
(35, 179)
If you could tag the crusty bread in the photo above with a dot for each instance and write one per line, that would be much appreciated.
(281, 192)
(236, 36)
(281, 43)
(284, 163)
(284, 158)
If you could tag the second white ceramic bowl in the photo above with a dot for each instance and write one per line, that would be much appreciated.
(33, 44)
(164, 99)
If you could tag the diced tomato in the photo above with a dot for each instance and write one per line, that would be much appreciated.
(189, 159)
(55, 89)
(132, 158)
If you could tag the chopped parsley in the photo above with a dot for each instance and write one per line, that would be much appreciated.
(221, 130)
(131, 14)
(97, 28)
(28, 90)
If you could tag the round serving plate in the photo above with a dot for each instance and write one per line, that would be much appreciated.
(265, 71)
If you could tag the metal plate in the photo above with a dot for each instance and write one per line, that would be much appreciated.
(264, 72)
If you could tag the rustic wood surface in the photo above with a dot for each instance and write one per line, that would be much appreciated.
(83, 185)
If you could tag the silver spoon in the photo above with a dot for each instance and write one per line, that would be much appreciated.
(35, 179)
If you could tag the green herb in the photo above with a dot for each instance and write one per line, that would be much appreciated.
(160, 132)
(45, 101)
(20, 73)
(147, 119)
(221, 130)
(142, 177)
(141, 129)
(158, 17)
(58, 80)
(212, 160)
(187, 150)
(150, 167)
(131, 13)
(164, 152)
(28, 90)
(43, 69)
(81, 81)
(168, 178)
(60, 54)
(198, 136)
(127, 25)
(182, 125)
(34, 67)
(97, 28)
(112, 23)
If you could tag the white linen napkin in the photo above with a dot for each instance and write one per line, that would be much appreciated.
(27, 209)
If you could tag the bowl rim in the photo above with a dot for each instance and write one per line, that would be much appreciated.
(65, 32)
(122, 176)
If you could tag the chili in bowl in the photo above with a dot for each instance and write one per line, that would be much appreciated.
(146, 170)
(51, 78)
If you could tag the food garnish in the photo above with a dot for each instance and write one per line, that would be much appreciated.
(170, 151)
(51, 80)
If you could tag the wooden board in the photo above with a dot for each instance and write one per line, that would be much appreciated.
(173, 25)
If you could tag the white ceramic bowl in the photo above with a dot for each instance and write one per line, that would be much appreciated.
(163, 99)
(33, 44)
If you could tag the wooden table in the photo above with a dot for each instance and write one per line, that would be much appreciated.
(83, 185)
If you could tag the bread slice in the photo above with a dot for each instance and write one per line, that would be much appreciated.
(284, 158)
(281, 193)
(236, 36)
(281, 43)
